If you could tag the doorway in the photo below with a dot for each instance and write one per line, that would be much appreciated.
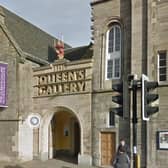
(65, 136)
(108, 148)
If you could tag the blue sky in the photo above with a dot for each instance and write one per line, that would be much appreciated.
(70, 18)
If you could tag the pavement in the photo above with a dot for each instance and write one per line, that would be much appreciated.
(53, 163)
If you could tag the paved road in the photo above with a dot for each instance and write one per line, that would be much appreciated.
(40, 164)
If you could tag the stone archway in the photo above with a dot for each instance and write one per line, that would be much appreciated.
(64, 136)
(49, 145)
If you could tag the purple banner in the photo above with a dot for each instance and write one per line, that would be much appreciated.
(3, 84)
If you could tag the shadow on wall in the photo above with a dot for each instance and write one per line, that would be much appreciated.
(51, 54)
(2, 109)
(14, 166)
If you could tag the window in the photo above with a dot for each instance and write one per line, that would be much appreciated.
(113, 53)
(162, 66)
(111, 119)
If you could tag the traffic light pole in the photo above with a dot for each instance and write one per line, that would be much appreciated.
(147, 109)
(134, 120)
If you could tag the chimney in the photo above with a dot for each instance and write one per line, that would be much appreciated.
(2, 15)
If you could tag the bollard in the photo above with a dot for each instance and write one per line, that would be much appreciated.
(138, 163)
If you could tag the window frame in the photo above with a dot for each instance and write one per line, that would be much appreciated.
(109, 123)
(115, 55)
(160, 66)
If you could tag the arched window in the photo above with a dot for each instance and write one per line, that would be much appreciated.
(113, 52)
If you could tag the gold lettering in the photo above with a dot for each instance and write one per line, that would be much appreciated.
(72, 76)
(58, 77)
(42, 80)
(81, 86)
(55, 68)
(54, 88)
(64, 76)
(59, 68)
(42, 90)
(62, 81)
(81, 74)
(49, 90)
(73, 87)
(53, 78)
(49, 78)
(66, 87)
(59, 88)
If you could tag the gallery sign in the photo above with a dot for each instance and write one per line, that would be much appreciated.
(3, 84)
(60, 80)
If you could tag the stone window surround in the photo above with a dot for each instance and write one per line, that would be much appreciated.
(162, 81)
(111, 25)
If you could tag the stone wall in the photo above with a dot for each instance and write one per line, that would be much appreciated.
(104, 14)
(19, 95)
(157, 41)
(9, 115)
(68, 98)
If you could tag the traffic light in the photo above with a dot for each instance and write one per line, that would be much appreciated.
(148, 98)
(118, 99)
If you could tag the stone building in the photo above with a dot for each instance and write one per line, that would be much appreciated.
(130, 37)
(72, 97)
(41, 88)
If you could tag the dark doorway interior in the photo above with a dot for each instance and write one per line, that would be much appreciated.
(76, 139)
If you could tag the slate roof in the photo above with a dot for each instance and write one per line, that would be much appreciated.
(36, 43)
(30, 38)
(79, 53)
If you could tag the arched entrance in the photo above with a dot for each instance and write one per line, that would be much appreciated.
(65, 136)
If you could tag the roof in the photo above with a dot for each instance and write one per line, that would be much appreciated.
(79, 53)
(30, 38)
(36, 44)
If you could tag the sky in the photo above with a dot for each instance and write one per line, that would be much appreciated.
(65, 19)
